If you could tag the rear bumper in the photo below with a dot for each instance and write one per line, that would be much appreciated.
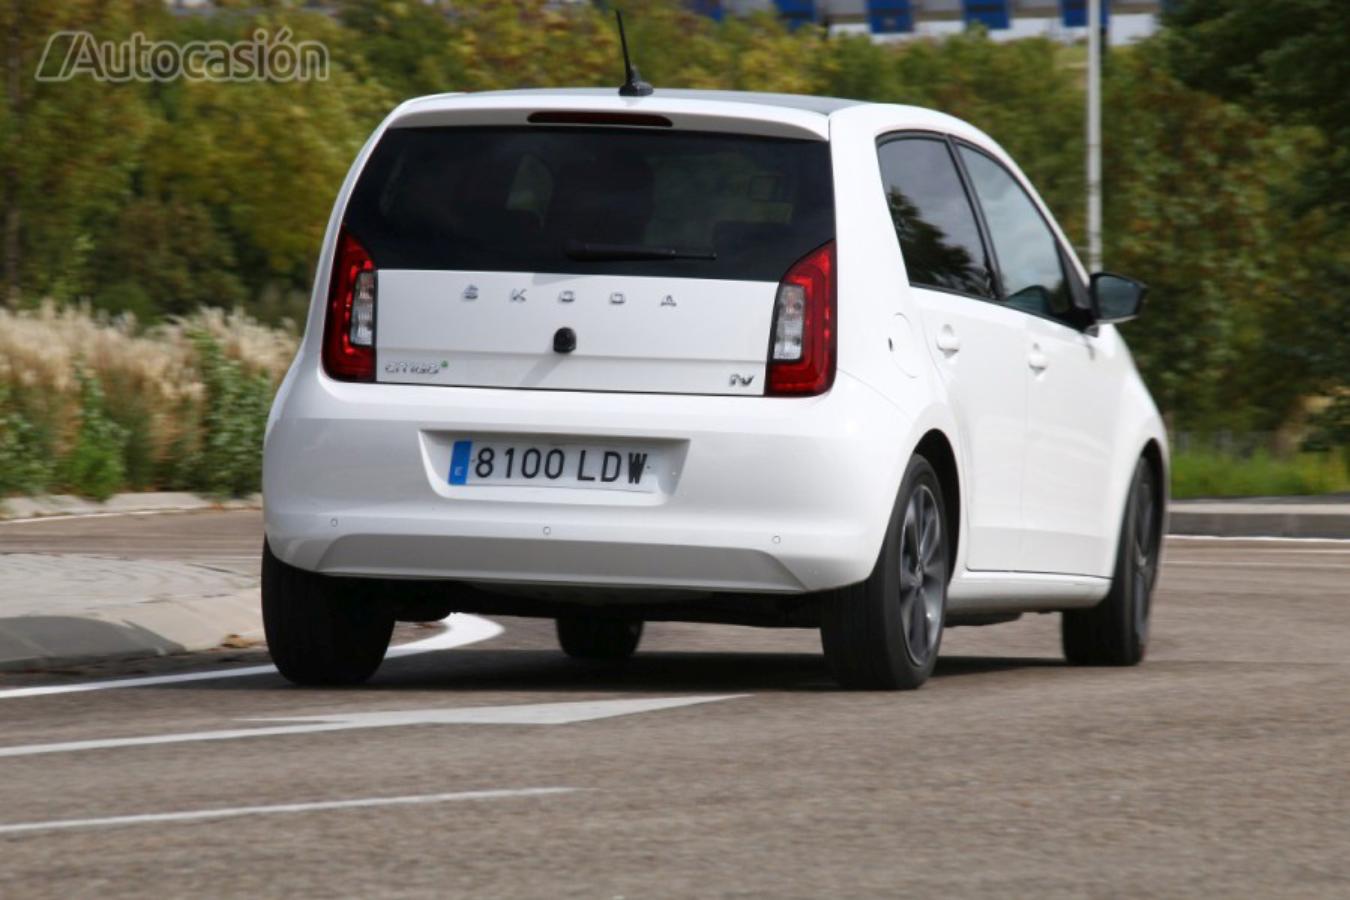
(773, 495)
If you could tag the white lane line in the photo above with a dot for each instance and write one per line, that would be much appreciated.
(460, 629)
(1281, 552)
(1301, 565)
(564, 713)
(1274, 540)
(236, 811)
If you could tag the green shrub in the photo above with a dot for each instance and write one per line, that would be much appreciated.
(95, 466)
(138, 454)
(1205, 473)
(1329, 430)
(228, 459)
(25, 453)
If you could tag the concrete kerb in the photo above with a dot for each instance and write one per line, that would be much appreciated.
(22, 508)
(1277, 517)
(155, 628)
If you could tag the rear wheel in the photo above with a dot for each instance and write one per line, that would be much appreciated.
(884, 633)
(591, 637)
(322, 630)
(1115, 631)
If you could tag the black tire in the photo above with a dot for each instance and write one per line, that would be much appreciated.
(591, 637)
(884, 634)
(322, 630)
(1115, 631)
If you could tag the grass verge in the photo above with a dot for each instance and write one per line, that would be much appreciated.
(1206, 473)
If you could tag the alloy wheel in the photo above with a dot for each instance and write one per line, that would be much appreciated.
(923, 574)
(1144, 546)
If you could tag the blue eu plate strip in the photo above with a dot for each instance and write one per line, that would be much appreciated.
(459, 462)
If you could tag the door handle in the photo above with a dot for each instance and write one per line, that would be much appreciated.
(1038, 361)
(947, 341)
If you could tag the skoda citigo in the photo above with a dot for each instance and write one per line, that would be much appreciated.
(702, 356)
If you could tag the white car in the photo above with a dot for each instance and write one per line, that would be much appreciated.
(705, 356)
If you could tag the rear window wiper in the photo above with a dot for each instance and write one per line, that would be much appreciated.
(595, 250)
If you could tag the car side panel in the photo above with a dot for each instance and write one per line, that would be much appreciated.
(1136, 421)
(1138, 424)
(882, 342)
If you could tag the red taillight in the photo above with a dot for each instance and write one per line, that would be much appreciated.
(801, 347)
(349, 330)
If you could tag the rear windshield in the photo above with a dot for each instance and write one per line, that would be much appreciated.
(593, 201)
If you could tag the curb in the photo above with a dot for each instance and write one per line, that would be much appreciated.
(155, 628)
(1260, 520)
(57, 505)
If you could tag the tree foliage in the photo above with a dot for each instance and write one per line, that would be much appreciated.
(1288, 58)
(1224, 140)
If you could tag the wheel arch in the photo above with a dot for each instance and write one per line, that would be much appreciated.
(1153, 454)
(935, 447)
(1151, 446)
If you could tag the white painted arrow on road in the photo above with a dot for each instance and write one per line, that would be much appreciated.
(523, 714)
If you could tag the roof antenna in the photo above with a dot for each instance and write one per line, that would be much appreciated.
(633, 85)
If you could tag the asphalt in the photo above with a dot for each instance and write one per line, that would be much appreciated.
(1220, 767)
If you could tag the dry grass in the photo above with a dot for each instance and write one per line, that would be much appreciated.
(150, 376)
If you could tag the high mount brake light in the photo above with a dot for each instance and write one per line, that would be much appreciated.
(349, 328)
(581, 117)
(802, 342)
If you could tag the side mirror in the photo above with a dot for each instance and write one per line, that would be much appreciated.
(1116, 298)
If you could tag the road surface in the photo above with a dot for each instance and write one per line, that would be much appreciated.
(1220, 767)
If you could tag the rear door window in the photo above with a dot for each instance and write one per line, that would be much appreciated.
(593, 201)
(933, 217)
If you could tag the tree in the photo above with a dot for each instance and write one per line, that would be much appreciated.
(1289, 63)
(1288, 58)
(411, 45)
(67, 148)
(236, 179)
(1199, 206)
(1020, 93)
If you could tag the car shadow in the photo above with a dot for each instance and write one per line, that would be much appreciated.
(483, 670)
(692, 671)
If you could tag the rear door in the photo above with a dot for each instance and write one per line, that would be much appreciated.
(584, 258)
(1070, 415)
(975, 340)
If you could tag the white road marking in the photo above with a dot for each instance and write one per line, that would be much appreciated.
(1284, 552)
(236, 811)
(1271, 564)
(460, 629)
(1235, 538)
(521, 714)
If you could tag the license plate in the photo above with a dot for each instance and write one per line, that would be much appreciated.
(590, 466)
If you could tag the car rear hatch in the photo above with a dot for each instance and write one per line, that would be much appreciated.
(575, 256)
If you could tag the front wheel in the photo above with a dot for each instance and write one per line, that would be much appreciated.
(1115, 631)
(322, 630)
(884, 633)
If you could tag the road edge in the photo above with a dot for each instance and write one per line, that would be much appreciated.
(133, 631)
(1258, 520)
(47, 506)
